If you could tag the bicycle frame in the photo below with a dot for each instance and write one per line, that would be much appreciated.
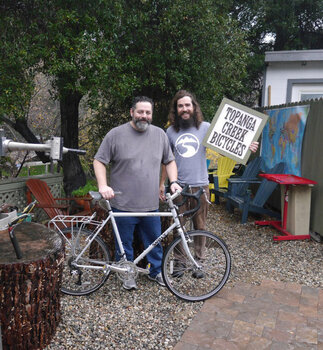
(111, 216)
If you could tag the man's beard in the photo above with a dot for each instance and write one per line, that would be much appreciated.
(186, 123)
(142, 125)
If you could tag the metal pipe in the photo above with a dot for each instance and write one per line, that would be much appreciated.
(9, 145)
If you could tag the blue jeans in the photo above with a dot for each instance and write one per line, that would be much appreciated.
(149, 228)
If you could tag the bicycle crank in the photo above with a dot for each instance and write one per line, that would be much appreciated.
(130, 273)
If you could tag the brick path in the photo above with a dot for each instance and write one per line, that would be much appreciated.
(274, 315)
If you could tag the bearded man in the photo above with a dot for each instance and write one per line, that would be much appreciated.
(135, 151)
(186, 133)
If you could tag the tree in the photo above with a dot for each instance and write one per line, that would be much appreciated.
(18, 65)
(110, 51)
(75, 52)
(291, 25)
(69, 47)
(297, 24)
(167, 45)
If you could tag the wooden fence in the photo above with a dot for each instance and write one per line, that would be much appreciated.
(13, 191)
(312, 158)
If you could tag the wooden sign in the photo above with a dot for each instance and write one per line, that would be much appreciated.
(233, 129)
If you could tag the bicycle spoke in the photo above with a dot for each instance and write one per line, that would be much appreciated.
(188, 282)
(84, 280)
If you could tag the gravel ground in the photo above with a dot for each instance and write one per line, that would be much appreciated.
(152, 318)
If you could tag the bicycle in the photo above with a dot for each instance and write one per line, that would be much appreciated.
(88, 261)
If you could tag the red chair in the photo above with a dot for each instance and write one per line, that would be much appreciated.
(40, 191)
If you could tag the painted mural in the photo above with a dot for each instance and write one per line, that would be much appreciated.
(282, 138)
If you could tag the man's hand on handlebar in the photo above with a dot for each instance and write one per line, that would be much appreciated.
(106, 192)
(175, 187)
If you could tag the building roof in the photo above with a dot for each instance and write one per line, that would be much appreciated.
(294, 56)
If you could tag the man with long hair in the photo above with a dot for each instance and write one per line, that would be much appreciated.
(186, 133)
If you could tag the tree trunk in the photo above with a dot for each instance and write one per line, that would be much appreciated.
(30, 287)
(74, 176)
(20, 125)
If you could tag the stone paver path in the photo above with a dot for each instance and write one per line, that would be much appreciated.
(273, 315)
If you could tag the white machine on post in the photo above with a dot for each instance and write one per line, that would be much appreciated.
(53, 147)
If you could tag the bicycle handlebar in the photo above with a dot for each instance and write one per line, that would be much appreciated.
(196, 196)
(97, 196)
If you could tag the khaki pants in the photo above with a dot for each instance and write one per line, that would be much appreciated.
(199, 221)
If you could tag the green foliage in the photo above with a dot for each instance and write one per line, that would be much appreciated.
(110, 51)
(35, 170)
(163, 46)
(291, 25)
(17, 61)
(84, 190)
(9, 169)
(297, 24)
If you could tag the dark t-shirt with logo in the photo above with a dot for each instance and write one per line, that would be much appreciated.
(190, 154)
(135, 158)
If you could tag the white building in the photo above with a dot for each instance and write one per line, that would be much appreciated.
(292, 76)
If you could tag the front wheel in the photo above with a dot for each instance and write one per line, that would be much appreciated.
(84, 280)
(184, 279)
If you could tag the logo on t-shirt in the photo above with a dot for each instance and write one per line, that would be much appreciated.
(187, 145)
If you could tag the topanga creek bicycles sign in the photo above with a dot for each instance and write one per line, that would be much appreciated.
(233, 129)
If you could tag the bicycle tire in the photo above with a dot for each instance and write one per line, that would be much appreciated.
(84, 281)
(181, 279)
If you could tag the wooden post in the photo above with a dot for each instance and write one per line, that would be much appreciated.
(30, 287)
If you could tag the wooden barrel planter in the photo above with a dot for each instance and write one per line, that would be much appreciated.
(30, 287)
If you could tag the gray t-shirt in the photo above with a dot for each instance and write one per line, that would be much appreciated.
(190, 154)
(135, 158)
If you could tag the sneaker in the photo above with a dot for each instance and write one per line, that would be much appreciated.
(129, 284)
(158, 278)
(198, 274)
(179, 268)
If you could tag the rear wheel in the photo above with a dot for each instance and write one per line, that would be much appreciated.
(188, 282)
(84, 280)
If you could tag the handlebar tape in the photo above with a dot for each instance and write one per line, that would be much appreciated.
(195, 196)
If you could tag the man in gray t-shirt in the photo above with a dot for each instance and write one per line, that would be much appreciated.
(135, 151)
(186, 133)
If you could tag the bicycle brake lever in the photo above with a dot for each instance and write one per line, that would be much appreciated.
(207, 198)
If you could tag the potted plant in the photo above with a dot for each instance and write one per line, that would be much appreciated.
(82, 196)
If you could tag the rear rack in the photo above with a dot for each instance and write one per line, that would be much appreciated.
(64, 221)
